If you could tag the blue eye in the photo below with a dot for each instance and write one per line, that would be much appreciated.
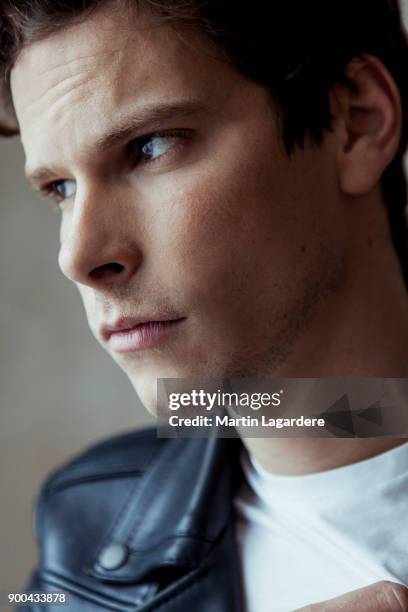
(155, 145)
(63, 189)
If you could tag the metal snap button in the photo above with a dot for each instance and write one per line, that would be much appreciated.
(113, 556)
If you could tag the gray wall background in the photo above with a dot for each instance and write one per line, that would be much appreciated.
(59, 391)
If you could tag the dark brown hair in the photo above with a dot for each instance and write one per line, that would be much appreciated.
(297, 49)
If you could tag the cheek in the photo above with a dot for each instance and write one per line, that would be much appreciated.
(206, 231)
(244, 239)
(222, 227)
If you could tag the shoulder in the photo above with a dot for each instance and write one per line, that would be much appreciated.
(144, 496)
(83, 498)
(156, 502)
(101, 476)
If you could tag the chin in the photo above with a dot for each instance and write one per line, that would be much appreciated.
(146, 390)
(143, 378)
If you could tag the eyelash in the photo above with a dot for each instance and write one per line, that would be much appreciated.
(50, 189)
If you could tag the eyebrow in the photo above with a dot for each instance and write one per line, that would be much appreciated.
(149, 117)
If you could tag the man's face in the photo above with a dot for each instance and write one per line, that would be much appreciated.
(179, 199)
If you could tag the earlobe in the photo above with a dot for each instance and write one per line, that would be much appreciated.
(368, 119)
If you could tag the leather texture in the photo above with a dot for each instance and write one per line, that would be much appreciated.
(142, 523)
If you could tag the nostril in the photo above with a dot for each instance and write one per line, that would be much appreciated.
(108, 269)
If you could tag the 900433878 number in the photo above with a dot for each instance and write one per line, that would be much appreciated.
(44, 598)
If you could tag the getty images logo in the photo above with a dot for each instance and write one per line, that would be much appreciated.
(208, 401)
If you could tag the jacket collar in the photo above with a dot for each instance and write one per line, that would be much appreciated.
(177, 511)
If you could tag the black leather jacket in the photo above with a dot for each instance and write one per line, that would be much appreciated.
(142, 523)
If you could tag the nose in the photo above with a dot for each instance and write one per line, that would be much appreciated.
(98, 242)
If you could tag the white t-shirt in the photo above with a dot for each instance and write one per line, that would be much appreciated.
(305, 539)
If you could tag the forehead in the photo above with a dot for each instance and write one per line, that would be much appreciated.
(77, 80)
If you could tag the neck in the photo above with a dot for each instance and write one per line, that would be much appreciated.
(362, 333)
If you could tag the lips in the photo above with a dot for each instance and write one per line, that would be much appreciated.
(130, 334)
(126, 324)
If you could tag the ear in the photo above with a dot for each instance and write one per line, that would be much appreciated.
(368, 123)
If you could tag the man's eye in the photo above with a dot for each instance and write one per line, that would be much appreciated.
(146, 149)
(62, 189)
(151, 147)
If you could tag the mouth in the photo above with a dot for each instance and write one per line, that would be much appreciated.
(125, 337)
